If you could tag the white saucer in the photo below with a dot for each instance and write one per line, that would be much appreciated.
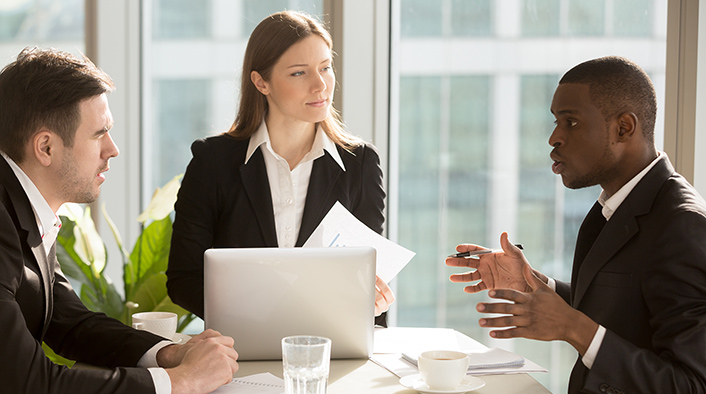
(180, 338)
(415, 382)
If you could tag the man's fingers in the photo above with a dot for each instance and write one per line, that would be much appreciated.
(477, 288)
(515, 332)
(465, 277)
(508, 247)
(507, 294)
(501, 307)
(462, 262)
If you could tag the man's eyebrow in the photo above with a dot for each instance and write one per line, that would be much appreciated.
(566, 112)
(104, 129)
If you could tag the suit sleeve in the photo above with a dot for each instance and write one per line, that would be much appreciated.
(23, 367)
(193, 232)
(674, 288)
(371, 203)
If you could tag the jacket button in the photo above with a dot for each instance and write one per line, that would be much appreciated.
(603, 388)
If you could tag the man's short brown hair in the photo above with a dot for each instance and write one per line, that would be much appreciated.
(43, 89)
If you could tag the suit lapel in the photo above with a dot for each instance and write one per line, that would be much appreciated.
(45, 263)
(257, 186)
(616, 232)
(324, 175)
(28, 223)
(622, 226)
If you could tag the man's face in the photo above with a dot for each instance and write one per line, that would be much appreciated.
(82, 166)
(582, 153)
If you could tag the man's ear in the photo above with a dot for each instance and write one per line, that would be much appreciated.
(627, 125)
(259, 82)
(44, 146)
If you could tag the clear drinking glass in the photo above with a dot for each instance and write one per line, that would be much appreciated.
(306, 361)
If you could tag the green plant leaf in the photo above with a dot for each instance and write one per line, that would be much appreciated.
(71, 264)
(116, 234)
(150, 255)
(83, 257)
(55, 358)
(107, 301)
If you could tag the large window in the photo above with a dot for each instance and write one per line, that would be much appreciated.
(473, 154)
(44, 23)
(192, 56)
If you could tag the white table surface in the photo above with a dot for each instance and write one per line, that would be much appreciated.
(364, 376)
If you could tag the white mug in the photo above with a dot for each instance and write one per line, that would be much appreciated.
(443, 369)
(160, 323)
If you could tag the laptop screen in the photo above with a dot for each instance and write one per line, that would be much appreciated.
(260, 295)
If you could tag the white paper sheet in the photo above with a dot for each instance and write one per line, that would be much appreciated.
(262, 383)
(340, 228)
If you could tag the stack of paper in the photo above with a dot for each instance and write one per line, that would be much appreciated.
(392, 344)
(490, 358)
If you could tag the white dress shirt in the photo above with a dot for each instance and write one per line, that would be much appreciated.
(289, 187)
(49, 225)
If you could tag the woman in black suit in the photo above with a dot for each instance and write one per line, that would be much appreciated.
(271, 179)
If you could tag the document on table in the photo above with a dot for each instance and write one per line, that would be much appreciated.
(391, 343)
(340, 228)
(262, 383)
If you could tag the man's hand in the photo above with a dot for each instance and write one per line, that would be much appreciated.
(494, 271)
(383, 296)
(203, 364)
(539, 314)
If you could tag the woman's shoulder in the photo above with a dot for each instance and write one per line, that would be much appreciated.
(364, 152)
(219, 145)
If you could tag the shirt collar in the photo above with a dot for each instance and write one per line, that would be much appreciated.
(611, 203)
(321, 143)
(47, 221)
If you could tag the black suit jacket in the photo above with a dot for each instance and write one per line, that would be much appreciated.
(223, 203)
(38, 304)
(644, 280)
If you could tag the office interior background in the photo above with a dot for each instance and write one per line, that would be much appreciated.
(455, 94)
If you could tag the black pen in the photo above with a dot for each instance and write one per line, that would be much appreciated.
(481, 251)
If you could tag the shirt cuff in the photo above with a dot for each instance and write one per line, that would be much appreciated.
(551, 283)
(149, 359)
(162, 383)
(593, 348)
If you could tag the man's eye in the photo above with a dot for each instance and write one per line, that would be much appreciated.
(572, 123)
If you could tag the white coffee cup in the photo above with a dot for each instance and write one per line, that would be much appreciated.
(160, 323)
(443, 369)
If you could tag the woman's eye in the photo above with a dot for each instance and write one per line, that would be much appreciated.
(298, 73)
(572, 123)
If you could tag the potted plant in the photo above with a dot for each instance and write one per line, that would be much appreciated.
(83, 256)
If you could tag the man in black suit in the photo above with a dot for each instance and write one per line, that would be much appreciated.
(635, 309)
(55, 146)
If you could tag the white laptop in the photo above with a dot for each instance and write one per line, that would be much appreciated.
(259, 296)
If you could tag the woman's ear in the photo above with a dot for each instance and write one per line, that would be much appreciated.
(259, 82)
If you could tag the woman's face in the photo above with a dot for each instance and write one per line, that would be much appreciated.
(301, 84)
